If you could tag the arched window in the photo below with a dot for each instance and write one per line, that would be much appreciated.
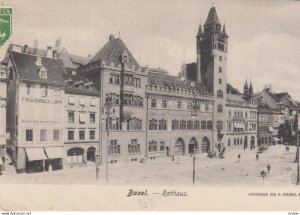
(220, 94)
(209, 125)
(182, 125)
(152, 124)
(174, 124)
(229, 142)
(196, 125)
(220, 108)
(203, 125)
(219, 125)
(190, 125)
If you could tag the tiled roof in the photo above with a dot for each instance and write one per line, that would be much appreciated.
(64, 55)
(173, 82)
(28, 70)
(231, 90)
(79, 85)
(79, 59)
(235, 97)
(112, 52)
(212, 17)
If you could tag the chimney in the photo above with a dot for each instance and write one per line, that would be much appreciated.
(54, 54)
(49, 52)
(111, 37)
(25, 48)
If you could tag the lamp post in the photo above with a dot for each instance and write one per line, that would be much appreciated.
(106, 111)
(194, 159)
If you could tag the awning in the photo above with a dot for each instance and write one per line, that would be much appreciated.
(271, 129)
(55, 152)
(276, 139)
(34, 154)
(1, 162)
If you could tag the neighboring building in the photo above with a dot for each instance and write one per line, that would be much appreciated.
(122, 83)
(35, 103)
(82, 117)
(265, 126)
(3, 86)
(284, 111)
(241, 118)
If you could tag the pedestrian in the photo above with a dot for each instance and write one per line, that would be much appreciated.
(269, 168)
(239, 157)
(257, 156)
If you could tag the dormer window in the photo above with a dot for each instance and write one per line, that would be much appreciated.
(38, 61)
(43, 72)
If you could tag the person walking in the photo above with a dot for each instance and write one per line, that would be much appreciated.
(257, 156)
(239, 157)
(269, 168)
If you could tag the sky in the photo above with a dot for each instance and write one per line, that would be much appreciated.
(264, 36)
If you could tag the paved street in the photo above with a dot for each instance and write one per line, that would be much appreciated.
(229, 171)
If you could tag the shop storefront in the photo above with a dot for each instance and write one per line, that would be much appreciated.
(35, 161)
(44, 159)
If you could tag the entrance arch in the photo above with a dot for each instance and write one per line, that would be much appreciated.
(193, 145)
(91, 154)
(205, 145)
(179, 147)
(252, 142)
(75, 155)
(245, 142)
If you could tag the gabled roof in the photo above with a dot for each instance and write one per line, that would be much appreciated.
(28, 69)
(231, 90)
(173, 82)
(212, 17)
(78, 84)
(112, 52)
(79, 59)
(65, 56)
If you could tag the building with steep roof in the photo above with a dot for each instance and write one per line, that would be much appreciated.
(122, 83)
(36, 87)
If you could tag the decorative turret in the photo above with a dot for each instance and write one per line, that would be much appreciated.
(251, 89)
(246, 88)
(224, 31)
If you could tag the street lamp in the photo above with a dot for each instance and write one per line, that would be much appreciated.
(263, 175)
(106, 111)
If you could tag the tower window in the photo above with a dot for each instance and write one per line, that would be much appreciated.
(220, 68)
(220, 58)
(220, 81)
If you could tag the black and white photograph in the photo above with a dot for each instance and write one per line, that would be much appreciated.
(179, 94)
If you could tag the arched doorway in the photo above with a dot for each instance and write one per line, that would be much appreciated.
(205, 145)
(75, 155)
(245, 142)
(91, 154)
(252, 142)
(193, 145)
(179, 147)
(167, 151)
